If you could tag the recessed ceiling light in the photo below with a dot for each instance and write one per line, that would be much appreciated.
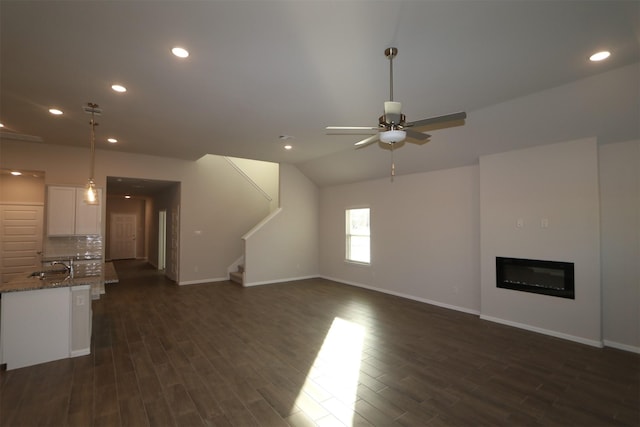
(55, 111)
(180, 52)
(118, 88)
(288, 147)
(600, 56)
(112, 140)
(127, 196)
(16, 173)
(1, 125)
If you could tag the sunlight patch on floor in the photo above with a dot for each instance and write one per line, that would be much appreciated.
(329, 393)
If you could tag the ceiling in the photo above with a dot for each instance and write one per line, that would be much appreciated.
(259, 70)
(122, 186)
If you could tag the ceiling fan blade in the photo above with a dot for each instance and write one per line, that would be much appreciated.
(417, 135)
(439, 119)
(350, 130)
(367, 141)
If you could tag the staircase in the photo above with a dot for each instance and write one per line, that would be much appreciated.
(237, 276)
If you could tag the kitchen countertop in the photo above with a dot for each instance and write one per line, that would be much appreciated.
(29, 283)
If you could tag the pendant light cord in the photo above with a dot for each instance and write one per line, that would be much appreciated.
(93, 139)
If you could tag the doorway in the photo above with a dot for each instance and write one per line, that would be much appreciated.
(123, 236)
(155, 241)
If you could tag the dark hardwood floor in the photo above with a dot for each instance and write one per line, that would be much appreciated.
(313, 352)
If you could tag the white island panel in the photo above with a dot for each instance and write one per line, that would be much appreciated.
(35, 326)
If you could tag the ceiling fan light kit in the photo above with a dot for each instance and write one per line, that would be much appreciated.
(392, 136)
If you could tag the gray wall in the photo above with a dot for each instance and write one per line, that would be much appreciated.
(426, 237)
(620, 242)
(557, 183)
(286, 246)
(27, 188)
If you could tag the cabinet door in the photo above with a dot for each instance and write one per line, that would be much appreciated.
(88, 217)
(61, 211)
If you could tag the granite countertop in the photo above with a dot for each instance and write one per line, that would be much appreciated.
(32, 283)
(59, 280)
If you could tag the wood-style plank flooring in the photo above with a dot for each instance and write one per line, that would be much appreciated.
(313, 352)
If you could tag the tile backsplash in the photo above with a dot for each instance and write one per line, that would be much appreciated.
(80, 247)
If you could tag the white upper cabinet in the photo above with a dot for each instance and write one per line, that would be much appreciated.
(68, 214)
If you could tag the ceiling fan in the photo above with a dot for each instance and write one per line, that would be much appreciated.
(392, 126)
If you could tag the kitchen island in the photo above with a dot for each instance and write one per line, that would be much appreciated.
(45, 318)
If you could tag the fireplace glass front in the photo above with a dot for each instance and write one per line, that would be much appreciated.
(553, 278)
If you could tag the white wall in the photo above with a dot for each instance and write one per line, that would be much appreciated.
(263, 174)
(424, 236)
(558, 182)
(620, 226)
(286, 247)
(218, 204)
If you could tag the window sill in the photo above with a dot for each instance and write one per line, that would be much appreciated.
(364, 264)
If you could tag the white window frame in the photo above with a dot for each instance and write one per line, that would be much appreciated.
(365, 234)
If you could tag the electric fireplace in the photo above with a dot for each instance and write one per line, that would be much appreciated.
(553, 278)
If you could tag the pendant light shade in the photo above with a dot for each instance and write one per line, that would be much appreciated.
(91, 193)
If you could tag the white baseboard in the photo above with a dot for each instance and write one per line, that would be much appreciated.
(81, 352)
(619, 346)
(581, 340)
(271, 282)
(201, 281)
(406, 296)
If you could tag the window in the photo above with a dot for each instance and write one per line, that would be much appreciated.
(358, 235)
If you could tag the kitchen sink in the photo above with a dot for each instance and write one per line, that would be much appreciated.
(50, 274)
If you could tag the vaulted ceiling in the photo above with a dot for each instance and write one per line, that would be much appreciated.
(262, 70)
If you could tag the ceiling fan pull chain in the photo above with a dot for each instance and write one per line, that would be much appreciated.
(393, 165)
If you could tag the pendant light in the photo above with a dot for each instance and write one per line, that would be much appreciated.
(91, 193)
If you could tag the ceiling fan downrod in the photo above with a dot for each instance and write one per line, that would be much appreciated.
(391, 53)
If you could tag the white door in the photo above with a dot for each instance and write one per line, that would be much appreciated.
(122, 242)
(20, 240)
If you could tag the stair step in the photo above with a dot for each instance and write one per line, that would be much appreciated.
(237, 276)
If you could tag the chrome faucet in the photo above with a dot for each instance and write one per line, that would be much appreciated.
(68, 267)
